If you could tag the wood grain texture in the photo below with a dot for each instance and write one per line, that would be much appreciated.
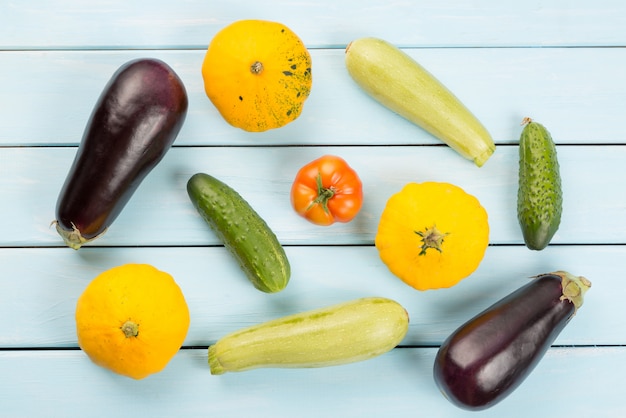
(160, 212)
(398, 384)
(106, 24)
(560, 62)
(221, 300)
(578, 93)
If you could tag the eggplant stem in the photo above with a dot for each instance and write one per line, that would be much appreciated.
(574, 288)
(73, 238)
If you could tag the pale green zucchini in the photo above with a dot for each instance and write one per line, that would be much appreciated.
(401, 84)
(539, 196)
(344, 333)
(244, 233)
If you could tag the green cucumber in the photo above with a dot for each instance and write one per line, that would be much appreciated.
(344, 333)
(401, 84)
(539, 197)
(244, 233)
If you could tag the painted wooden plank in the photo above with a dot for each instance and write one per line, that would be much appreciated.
(39, 288)
(398, 384)
(56, 58)
(578, 93)
(191, 24)
(160, 212)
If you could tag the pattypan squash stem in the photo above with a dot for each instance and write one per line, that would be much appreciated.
(431, 238)
(256, 68)
(324, 194)
(130, 329)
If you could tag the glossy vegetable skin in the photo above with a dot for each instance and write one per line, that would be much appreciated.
(347, 332)
(327, 190)
(133, 124)
(242, 231)
(489, 356)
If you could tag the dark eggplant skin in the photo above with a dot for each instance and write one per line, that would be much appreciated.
(132, 126)
(490, 355)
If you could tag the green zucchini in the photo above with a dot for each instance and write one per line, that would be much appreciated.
(344, 333)
(539, 197)
(244, 233)
(401, 84)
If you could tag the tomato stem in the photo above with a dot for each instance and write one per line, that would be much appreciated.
(324, 194)
(431, 238)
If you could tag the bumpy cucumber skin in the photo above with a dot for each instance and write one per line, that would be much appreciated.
(401, 84)
(539, 198)
(244, 233)
(344, 333)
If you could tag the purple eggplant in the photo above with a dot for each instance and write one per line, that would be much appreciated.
(489, 356)
(133, 125)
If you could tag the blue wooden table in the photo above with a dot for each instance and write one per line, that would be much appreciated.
(560, 62)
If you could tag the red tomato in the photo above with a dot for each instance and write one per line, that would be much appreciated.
(327, 190)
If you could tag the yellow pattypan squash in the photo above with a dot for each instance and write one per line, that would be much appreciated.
(431, 235)
(132, 320)
(257, 73)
